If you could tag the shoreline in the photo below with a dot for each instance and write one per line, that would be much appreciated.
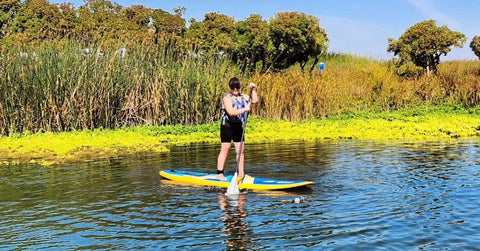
(48, 149)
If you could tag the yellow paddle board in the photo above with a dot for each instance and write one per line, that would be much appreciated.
(252, 183)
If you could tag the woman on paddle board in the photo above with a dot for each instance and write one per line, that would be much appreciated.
(235, 107)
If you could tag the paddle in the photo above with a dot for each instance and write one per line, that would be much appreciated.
(233, 186)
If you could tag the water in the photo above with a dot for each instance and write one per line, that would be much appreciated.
(366, 196)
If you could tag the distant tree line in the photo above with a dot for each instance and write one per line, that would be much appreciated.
(255, 44)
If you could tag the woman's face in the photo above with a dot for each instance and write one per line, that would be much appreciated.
(235, 89)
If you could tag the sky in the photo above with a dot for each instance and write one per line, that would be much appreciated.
(358, 27)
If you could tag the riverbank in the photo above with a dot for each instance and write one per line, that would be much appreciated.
(417, 125)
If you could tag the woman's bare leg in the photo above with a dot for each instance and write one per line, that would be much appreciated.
(222, 157)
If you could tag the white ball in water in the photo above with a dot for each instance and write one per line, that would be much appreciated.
(296, 200)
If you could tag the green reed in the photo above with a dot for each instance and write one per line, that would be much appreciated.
(57, 87)
(60, 88)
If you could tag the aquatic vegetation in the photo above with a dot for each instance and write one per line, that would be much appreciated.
(57, 87)
(416, 124)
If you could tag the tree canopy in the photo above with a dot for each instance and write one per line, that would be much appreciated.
(213, 34)
(253, 44)
(37, 19)
(475, 45)
(297, 37)
(424, 43)
(256, 44)
(8, 8)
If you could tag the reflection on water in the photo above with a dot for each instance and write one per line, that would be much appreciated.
(366, 195)
(234, 219)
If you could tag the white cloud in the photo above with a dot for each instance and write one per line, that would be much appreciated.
(430, 10)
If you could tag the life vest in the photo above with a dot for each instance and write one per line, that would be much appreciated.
(236, 104)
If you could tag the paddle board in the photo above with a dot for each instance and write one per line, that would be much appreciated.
(252, 183)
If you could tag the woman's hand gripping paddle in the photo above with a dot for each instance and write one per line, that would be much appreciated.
(233, 186)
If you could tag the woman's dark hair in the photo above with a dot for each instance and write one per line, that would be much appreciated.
(234, 83)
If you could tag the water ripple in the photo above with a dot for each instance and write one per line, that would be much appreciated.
(366, 196)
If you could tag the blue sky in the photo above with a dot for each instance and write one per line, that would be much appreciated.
(359, 27)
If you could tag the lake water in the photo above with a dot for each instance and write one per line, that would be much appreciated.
(366, 196)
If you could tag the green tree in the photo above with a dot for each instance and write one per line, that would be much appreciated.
(168, 27)
(297, 38)
(138, 21)
(37, 20)
(253, 43)
(475, 45)
(99, 21)
(424, 43)
(194, 35)
(8, 9)
(68, 21)
(213, 34)
(138, 15)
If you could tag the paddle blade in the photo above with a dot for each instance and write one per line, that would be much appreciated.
(233, 186)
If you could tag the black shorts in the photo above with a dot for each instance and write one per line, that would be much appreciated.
(231, 132)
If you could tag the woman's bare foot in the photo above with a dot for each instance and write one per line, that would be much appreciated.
(220, 176)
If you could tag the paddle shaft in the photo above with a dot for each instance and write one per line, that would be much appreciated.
(242, 141)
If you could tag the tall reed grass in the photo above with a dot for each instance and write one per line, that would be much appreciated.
(60, 88)
(57, 87)
(350, 84)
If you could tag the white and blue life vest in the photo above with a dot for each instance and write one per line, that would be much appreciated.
(236, 104)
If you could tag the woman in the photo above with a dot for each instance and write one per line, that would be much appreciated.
(235, 106)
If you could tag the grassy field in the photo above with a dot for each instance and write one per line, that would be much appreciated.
(413, 125)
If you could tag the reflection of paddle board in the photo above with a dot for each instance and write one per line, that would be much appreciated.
(204, 179)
